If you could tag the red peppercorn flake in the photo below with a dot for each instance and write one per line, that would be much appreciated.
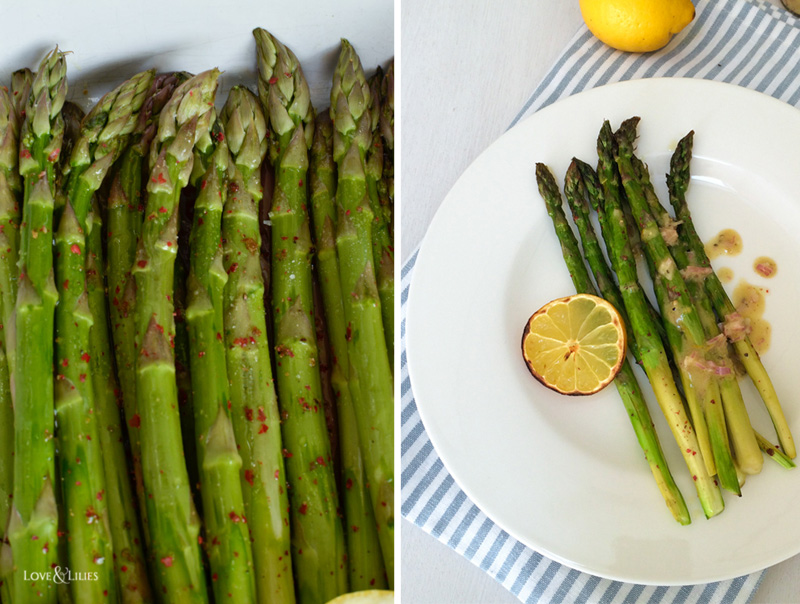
(75, 248)
(320, 460)
(248, 476)
(303, 508)
(235, 518)
(141, 263)
(85, 357)
(262, 417)
(263, 429)
(135, 421)
(355, 528)
(349, 484)
(166, 561)
(248, 414)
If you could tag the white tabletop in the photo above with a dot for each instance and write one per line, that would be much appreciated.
(467, 68)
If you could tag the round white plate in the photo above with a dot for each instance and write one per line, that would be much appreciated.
(565, 475)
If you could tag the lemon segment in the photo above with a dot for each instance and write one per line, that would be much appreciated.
(575, 345)
(636, 25)
(370, 596)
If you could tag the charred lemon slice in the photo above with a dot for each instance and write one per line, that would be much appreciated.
(575, 345)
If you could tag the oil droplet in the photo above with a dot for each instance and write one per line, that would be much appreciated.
(725, 274)
(749, 301)
(765, 266)
(727, 242)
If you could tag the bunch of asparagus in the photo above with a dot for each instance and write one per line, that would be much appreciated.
(691, 346)
(167, 428)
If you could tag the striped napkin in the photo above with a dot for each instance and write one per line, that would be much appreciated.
(750, 43)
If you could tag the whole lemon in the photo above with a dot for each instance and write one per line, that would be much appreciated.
(636, 25)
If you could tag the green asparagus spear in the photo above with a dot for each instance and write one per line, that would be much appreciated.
(125, 209)
(626, 383)
(364, 558)
(80, 456)
(10, 198)
(172, 519)
(130, 562)
(382, 247)
(678, 182)
(227, 537)
(370, 370)
(745, 447)
(681, 319)
(254, 405)
(653, 355)
(33, 525)
(318, 547)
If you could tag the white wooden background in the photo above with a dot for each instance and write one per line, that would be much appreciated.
(467, 68)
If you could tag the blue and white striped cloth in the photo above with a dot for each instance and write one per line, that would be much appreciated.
(746, 42)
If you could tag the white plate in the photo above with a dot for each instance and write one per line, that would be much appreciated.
(563, 474)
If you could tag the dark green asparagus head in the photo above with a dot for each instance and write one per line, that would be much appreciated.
(48, 92)
(375, 83)
(283, 91)
(9, 133)
(42, 117)
(162, 87)
(387, 107)
(548, 187)
(625, 136)
(21, 84)
(574, 189)
(246, 131)
(106, 128)
(184, 120)
(351, 101)
(592, 185)
(679, 176)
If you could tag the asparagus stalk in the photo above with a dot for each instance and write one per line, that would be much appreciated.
(653, 355)
(745, 447)
(125, 208)
(172, 519)
(10, 197)
(681, 319)
(678, 182)
(364, 558)
(130, 562)
(370, 370)
(382, 247)
(219, 463)
(254, 405)
(317, 536)
(626, 383)
(81, 459)
(33, 525)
